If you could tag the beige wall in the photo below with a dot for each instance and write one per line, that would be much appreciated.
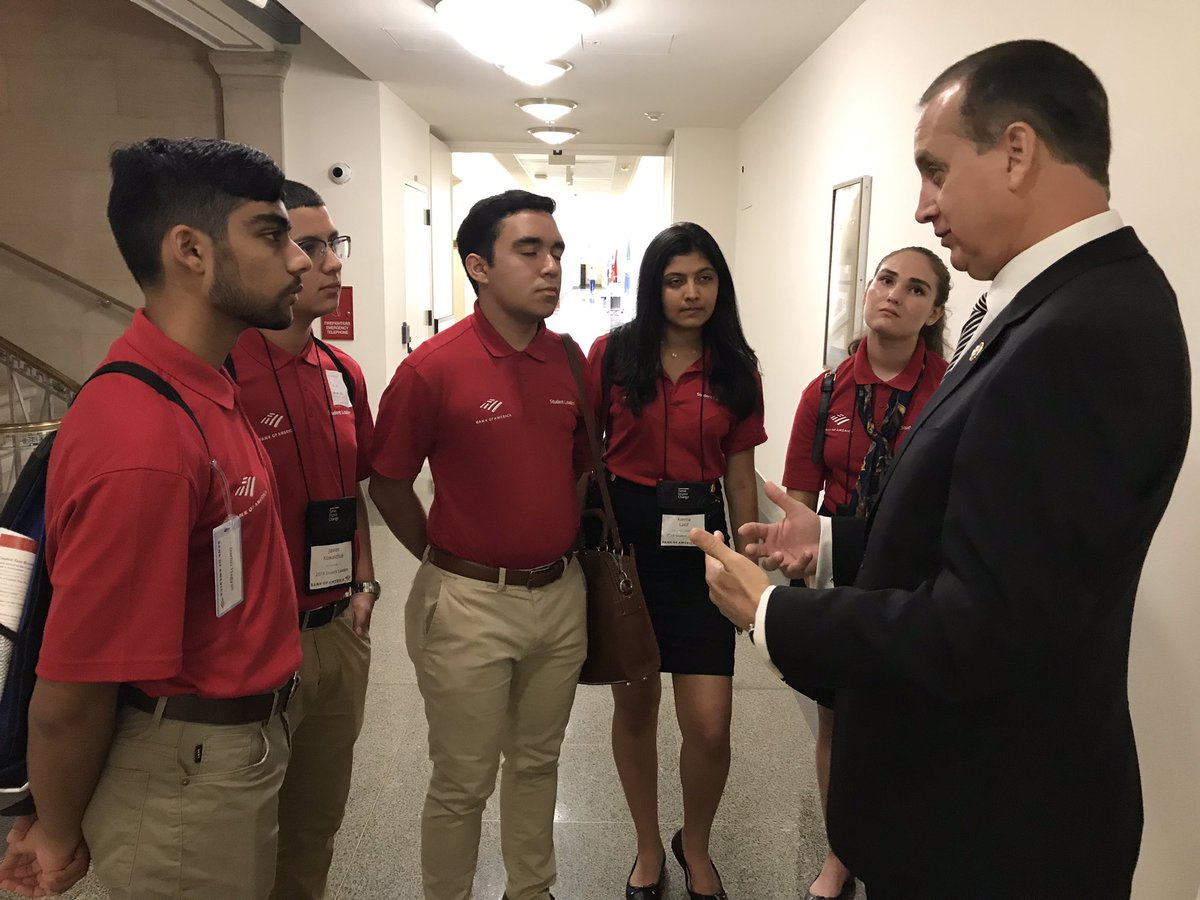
(704, 183)
(78, 77)
(848, 111)
(333, 113)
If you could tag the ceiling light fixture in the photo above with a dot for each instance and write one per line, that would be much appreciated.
(554, 135)
(537, 74)
(545, 108)
(261, 4)
(508, 32)
(653, 116)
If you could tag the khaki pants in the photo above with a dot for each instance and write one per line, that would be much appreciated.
(497, 668)
(325, 715)
(187, 811)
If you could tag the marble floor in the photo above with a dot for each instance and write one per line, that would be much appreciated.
(768, 839)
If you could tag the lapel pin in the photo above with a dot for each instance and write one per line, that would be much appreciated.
(975, 351)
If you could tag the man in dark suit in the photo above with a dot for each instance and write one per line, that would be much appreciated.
(979, 642)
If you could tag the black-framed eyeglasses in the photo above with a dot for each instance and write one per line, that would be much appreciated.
(315, 247)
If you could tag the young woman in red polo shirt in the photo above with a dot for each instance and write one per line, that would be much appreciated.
(874, 398)
(679, 391)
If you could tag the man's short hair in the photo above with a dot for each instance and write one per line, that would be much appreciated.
(478, 232)
(300, 196)
(160, 183)
(1039, 83)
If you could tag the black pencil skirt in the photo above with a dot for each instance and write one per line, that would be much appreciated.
(693, 637)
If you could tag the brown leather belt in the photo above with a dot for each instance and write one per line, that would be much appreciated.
(199, 710)
(323, 615)
(532, 578)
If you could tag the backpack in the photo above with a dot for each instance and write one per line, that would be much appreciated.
(25, 512)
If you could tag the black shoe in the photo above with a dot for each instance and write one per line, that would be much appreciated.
(646, 891)
(848, 889)
(677, 849)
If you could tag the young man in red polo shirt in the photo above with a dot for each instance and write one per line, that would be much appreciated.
(496, 621)
(156, 732)
(311, 414)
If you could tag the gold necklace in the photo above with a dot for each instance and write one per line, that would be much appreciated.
(675, 355)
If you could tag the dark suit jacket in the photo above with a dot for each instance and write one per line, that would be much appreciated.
(983, 745)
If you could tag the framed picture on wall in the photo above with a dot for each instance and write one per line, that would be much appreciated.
(847, 267)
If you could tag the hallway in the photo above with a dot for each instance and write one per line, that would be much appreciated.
(767, 840)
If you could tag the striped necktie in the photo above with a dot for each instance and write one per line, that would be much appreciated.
(969, 328)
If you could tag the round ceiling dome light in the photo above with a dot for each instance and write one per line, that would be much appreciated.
(509, 32)
(554, 135)
(546, 109)
(537, 74)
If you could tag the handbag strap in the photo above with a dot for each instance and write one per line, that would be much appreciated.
(574, 357)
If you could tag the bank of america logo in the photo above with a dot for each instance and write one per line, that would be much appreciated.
(491, 405)
(272, 420)
(839, 419)
(246, 487)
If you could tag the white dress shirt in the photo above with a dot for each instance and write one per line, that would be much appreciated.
(1016, 274)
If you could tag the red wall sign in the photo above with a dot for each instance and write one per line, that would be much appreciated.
(339, 326)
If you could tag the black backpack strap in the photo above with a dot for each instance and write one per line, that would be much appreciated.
(155, 381)
(340, 367)
(818, 451)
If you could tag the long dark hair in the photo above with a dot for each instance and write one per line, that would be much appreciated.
(634, 356)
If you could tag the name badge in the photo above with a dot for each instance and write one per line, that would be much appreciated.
(227, 565)
(337, 388)
(675, 528)
(329, 528)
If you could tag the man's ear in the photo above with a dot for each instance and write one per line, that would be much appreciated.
(477, 267)
(1020, 144)
(185, 247)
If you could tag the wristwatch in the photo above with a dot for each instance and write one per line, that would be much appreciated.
(366, 587)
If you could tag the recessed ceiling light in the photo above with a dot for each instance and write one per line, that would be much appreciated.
(552, 135)
(537, 74)
(517, 31)
(653, 116)
(545, 108)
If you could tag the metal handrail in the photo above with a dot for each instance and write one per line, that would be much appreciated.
(105, 300)
(30, 427)
(25, 356)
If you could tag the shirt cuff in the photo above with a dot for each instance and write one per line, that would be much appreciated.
(823, 577)
(760, 630)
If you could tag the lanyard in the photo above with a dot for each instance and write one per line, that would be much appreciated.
(882, 438)
(666, 420)
(337, 448)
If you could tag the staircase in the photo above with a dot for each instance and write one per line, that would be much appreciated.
(33, 399)
(34, 394)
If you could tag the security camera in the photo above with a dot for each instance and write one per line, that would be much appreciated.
(340, 173)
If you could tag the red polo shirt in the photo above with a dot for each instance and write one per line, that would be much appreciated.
(307, 402)
(131, 504)
(501, 429)
(637, 444)
(846, 441)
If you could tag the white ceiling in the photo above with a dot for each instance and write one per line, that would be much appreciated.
(703, 63)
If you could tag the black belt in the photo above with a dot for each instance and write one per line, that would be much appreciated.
(323, 615)
(531, 578)
(203, 711)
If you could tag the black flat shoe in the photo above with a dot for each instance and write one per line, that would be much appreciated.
(646, 891)
(848, 889)
(677, 849)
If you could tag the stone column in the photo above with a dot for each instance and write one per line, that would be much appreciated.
(252, 94)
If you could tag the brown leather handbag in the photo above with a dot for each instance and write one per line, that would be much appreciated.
(621, 642)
